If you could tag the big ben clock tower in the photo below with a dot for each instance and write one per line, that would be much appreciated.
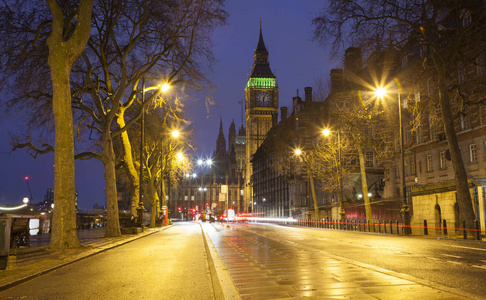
(261, 108)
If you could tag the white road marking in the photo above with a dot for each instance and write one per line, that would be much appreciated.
(482, 267)
(455, 256)
(471, 248)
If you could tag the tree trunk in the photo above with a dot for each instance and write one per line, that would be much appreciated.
(364, 183)
(464, 200)
(128, 158)
(108, 157)
(314, 198)
(64, 234)
(154, 201)
(164, 195)
(62, 55)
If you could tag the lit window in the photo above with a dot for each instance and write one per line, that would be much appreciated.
(429, 163)
(473, 153)
(442, 160)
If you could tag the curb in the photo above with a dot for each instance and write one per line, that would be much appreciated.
(223, 285)
(75, 258)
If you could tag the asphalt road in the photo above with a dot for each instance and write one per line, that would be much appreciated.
(458, 264)
(170, 264)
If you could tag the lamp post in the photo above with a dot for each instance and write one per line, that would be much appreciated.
(209, 163)
(140, 208)
(380, 92)
(342, 212)
(163, 203)
(310, 173)
(28, 185)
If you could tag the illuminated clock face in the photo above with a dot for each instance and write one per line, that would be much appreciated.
(263, 99)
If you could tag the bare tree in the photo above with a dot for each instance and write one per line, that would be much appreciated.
(435, 27)
(133, 41)
(64, 33)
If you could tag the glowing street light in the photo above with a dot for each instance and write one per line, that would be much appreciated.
(175, 134)
(326, 132)
(381, 92)
(163, 88)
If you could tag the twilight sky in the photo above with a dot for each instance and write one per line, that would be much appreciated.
(295, 59)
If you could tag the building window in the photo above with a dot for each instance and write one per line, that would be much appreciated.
(432, 130)
(370, 159)
(473, 153)
(466, 18)
(404, 61)
(421, 137)
(442, 160)
(482, 112)
(461, 73)
(413, 169)
(484, 149)
(429, 163)
(481, 64)
(466, 119)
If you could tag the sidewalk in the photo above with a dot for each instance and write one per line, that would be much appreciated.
(27, 263)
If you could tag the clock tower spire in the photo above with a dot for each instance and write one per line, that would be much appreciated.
(261, 108)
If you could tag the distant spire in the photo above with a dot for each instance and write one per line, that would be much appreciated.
(261, 66)
(261, 45)
(221, 125)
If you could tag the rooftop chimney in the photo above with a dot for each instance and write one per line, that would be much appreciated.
(336, 79)
(308, 94)
(283, 113)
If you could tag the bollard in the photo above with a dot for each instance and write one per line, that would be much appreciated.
(426, 230)
(398, 230)
(374, 229)
(476, 223)
(369, 225)
(465, 230)
(384, 226)
(444, 226)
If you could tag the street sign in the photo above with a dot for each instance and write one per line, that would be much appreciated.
(222, 197)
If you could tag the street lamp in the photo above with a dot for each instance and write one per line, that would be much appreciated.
(209, 163)
(28, 185)
(310, 173)
(163, 88)
(381, 92)
(326, 132)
